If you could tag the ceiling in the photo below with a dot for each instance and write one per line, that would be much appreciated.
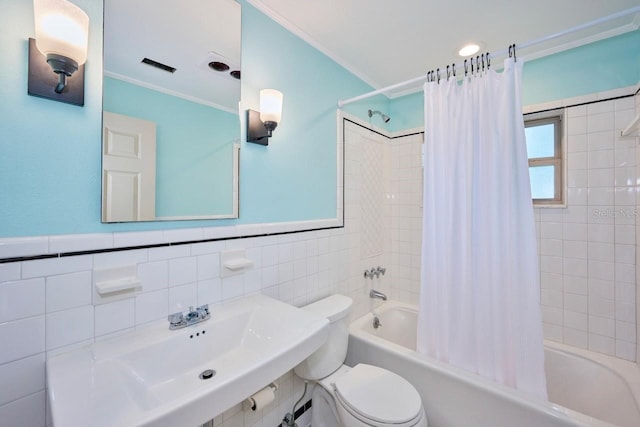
(384, 42)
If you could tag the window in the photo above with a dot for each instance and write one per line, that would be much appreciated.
(545, 152)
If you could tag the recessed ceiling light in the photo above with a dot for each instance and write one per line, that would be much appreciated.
(469, 50)
(218, 66)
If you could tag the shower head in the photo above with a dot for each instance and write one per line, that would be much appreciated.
(385, 118)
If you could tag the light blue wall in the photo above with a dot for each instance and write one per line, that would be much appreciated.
(596, 67)
(50, 152)
(295, 176)
(604, 65)
(194, 146)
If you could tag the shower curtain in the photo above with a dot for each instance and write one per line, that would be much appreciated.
(480, 291)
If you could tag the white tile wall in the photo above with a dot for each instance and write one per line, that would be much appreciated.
(587, 250)
(373, 177)
(629, 254)
(404, 200)
(46, 305)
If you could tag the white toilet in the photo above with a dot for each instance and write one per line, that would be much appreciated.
(362, 396)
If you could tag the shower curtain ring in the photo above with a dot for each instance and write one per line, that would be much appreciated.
(430, 76)
(488, 62)
(448, 74)
(483, 62)
(453, 66)
(465, 68)
(512, 52)
(438, 75)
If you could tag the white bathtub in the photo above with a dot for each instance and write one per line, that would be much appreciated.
(582, 390)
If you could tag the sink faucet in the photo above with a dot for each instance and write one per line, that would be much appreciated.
(377, 294)
(179, 320)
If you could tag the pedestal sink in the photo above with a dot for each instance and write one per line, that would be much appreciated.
(157, 377)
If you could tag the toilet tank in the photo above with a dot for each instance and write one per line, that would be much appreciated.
(330, 356)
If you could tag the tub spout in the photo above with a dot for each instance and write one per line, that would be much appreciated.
(376, 294)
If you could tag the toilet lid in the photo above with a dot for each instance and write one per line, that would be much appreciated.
(378, 394)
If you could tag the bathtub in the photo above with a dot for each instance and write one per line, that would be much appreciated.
(584, 388)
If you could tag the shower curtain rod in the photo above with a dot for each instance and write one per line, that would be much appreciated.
(422, 78)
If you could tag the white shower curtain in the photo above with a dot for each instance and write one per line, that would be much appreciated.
(480, 291)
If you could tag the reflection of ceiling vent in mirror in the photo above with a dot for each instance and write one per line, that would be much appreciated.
(223, 66)
(159, 65)
(218, 66)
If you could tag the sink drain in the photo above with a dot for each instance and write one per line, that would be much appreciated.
(206, 374)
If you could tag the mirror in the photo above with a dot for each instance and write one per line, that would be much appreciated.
(171, 129)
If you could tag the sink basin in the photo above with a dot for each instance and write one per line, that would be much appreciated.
(152, 376)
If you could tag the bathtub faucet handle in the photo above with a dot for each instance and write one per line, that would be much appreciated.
(380, 270)
(375, 271)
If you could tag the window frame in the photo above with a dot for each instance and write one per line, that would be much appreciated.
(559, 159)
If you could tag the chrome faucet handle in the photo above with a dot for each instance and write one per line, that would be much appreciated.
(203, 312)
(175, 318)
(375, 271)
(381, 270)
(368, 274)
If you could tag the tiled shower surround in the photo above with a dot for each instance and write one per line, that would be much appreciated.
(588, 249)
(588, 263)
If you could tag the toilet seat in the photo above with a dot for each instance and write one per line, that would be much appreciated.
(378, 397)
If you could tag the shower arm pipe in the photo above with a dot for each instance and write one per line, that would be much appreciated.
(422, 78)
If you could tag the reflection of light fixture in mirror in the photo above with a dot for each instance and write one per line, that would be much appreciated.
(62, 31)
(260, 125)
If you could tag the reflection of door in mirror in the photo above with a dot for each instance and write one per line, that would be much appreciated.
(129, 169)
(177, 64)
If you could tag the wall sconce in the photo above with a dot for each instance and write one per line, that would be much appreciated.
(57, 55)
(260, 125)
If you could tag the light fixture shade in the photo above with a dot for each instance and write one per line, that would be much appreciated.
(62, 28)
(469, 49)
(270, 105)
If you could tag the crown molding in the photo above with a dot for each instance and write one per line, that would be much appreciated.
(291, 27)
(168, 91)
(633, 25)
